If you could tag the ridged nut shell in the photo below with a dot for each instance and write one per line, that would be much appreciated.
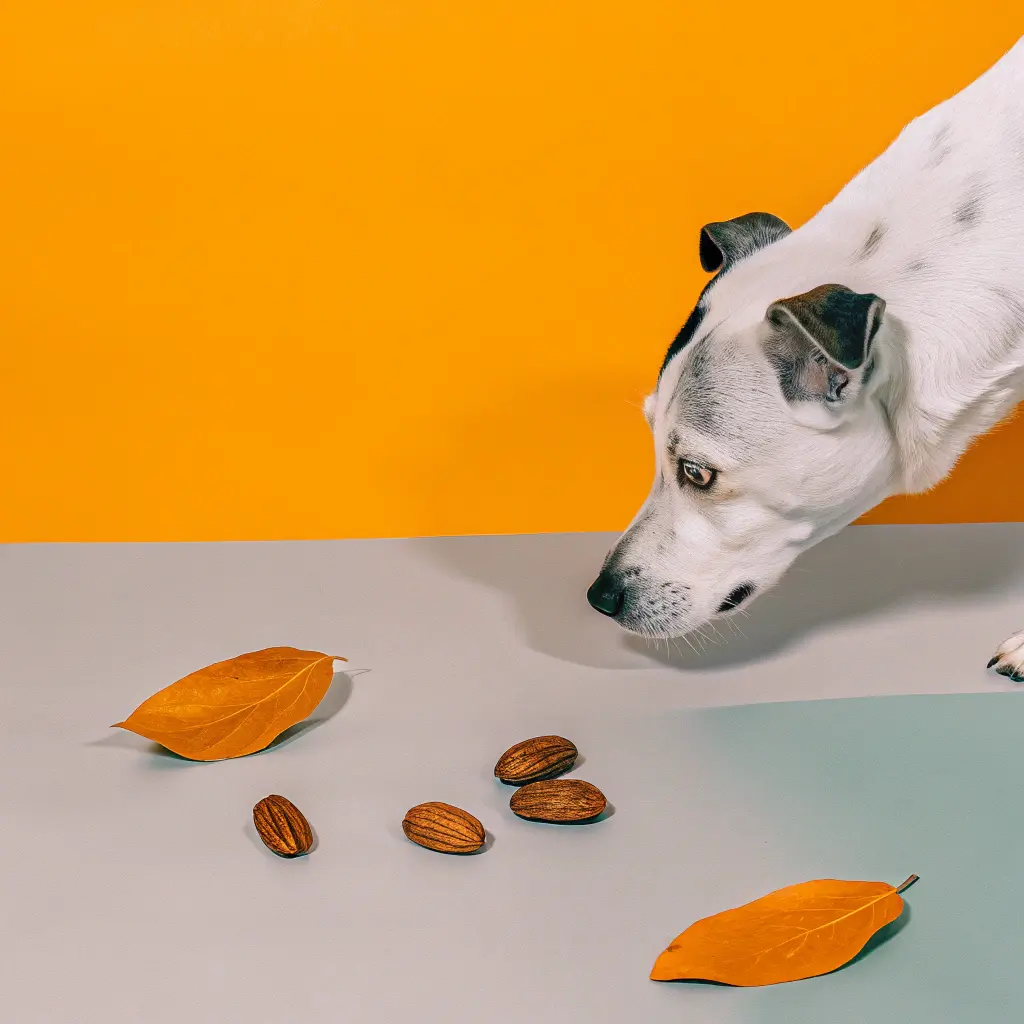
(444, 828)
(558, 800)
(282, 826)
(542, 757)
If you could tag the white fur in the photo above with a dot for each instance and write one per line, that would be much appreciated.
(1009, 658)
(949, 355)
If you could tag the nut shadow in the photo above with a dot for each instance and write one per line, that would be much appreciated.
(568, 773)
(396, 831)
(254, 838)
(607, 813)
(486, 848)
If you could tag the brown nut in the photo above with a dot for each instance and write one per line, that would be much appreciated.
(444, 828)
(282, 826)
(542, 757)
(558, 800)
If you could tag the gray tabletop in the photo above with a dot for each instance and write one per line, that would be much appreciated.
(135, 888)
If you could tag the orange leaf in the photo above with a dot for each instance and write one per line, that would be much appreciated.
(793, 933)
(235, 707)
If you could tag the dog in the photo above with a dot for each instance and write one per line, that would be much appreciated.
(827, 368)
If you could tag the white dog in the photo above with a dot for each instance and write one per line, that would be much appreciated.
(826, 368)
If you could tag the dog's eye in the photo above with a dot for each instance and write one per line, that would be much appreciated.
(696, 474)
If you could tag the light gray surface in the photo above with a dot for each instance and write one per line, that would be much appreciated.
(136, 889)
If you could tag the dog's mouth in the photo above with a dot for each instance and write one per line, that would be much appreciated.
(657, 609)
(736, 598)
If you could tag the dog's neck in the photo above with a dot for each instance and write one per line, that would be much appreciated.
(949, 358)
(935, 226)
(939, 392)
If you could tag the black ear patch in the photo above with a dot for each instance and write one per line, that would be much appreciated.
(726, 242)
(821, 345)
(841, 322)
(723, 244)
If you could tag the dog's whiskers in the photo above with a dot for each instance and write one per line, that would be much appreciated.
(736, 626)
(689, 643)
(710, 639)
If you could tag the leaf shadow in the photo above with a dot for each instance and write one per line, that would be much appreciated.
(124, 740)
(880, 938)
(337, 696)
(696, 981)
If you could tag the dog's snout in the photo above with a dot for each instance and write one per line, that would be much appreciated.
(607, 594)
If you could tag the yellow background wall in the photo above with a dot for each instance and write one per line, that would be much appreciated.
(316, 268)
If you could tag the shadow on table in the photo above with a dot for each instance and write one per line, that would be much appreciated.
(334, 700)
(860, 572)
(881, 937)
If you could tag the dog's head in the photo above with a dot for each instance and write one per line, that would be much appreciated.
(769, 434)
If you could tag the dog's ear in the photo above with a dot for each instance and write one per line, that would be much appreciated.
(821, 342)
(726, 242)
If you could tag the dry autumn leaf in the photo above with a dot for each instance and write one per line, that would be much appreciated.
(235, 707)
(793, 933)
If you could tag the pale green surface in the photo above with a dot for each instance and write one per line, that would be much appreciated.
(876, 789)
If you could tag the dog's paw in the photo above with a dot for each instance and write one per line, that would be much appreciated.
(1009, 658)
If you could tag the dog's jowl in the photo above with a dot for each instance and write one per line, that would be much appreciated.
(826, 368)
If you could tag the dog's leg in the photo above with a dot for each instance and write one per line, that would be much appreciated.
(1009, 658)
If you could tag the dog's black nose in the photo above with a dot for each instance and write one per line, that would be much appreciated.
(607, 594)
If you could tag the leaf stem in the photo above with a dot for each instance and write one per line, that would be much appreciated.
(907, 884)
